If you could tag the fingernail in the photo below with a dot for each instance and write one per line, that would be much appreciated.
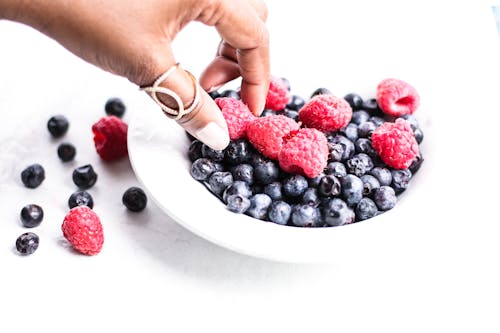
(214, 136)
(212, 89)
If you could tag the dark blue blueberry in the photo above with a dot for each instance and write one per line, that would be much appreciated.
(257, 158)
(329, 185)
(377, 120)
(311, 197)
(230, 93)
(385, 198)
(287, 83)
(321, 91)
(237, 203)
(243, 172)
(80, 198)
(366, 129)
(190, 136)
(237, 152)
(267, 112)
(27, 243)
(214, 94)
(294, 186)
(354, 100)
(31, 215)
(336, 168)
(371, 106)
(400, 180)
(291, 114)
(364, 145)
(66, 152)
(135, 199)
(279, 212)
(296, 103)
(419, 135)
(359, 117)
(202, 168)
(359, 164)
(58, 126)
(257, 188)
(351, 189)
(304, 215)
(214, 155)
(350, 131)
(416, 164)
(335, 212)
(219, 181)
(219, 167)
(259, 204)
(370, 185)
(383, 175)
(273, 190)
(237, 187)
(194, 151)
(412, 120)
(115, 107)
(33, 175)
(314, 182)
(347, 145)
(266, 172)
(365, 209)
(335, 151)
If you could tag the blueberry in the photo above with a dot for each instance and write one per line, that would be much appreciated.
(296, 103)
(58, 126)
(243, 172)
(259, 204)
(354, 100)
(294, 186)
(219, 181)
(335, 151)
(347, 145)
(267, 112)
(378, 120)
(135, 199)
(366, 129)
(273, 190)
(350, 131)
(266, 172)
(237, 187)
(84, 177)
(364, 145)
(385, 198)
(80, 198)
(27, 243)
(321, 91)
(371, 106)
(202, 168)
(214, 94)
(336, 213)
(416, 164)
(190, 137)
(230, 93)
(287, 83)
(359, 117)
(370, 185)
(214, 155)
(66, 152)
(31, 215)
(115, 107)
(400, 180)
(351, 189)
(336, 168)
(33, 175)
(237, 152)
(329, 185)
(419, 135)
(194, 151)
(359, 164)
(279, 212)
(237, 203)
(383, 175)
(311, 197)
(291, 114)
(314, 182)
(366, 209)
(412, 120)
(304, 215)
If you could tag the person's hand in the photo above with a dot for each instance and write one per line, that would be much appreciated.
(132, 38)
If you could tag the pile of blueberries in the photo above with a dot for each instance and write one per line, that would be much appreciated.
(355, 185)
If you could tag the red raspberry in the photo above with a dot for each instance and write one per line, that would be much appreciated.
(236, 114)
(278, 95)
(110, 138)
(305, 151)
(397, 98)
(83, 229)
(326, 113)
(266, 133)
(395, 143)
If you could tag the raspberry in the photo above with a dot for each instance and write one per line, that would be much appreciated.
(266, 133)
(395, 143)
(278, 94)
(397, 98)
(110, 138)
(305, 151)
(236, 114)
(326, 113)
(83, 229)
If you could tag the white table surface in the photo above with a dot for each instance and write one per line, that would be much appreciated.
(153, 275)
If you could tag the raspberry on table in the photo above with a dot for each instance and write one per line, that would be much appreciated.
(110, 138)
(395, 143)
(83, 230)
(278, 94)
(305, 151)
(396, 97)
(237, 115)
(326, 113)
(266, 133)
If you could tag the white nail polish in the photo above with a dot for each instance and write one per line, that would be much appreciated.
(214, 136)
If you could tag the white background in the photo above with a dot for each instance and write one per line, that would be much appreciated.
(154, 275)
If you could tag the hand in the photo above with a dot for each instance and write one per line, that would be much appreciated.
(132, 38)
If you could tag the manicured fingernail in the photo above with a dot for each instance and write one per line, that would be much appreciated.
(212, 89)
(214, 136)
